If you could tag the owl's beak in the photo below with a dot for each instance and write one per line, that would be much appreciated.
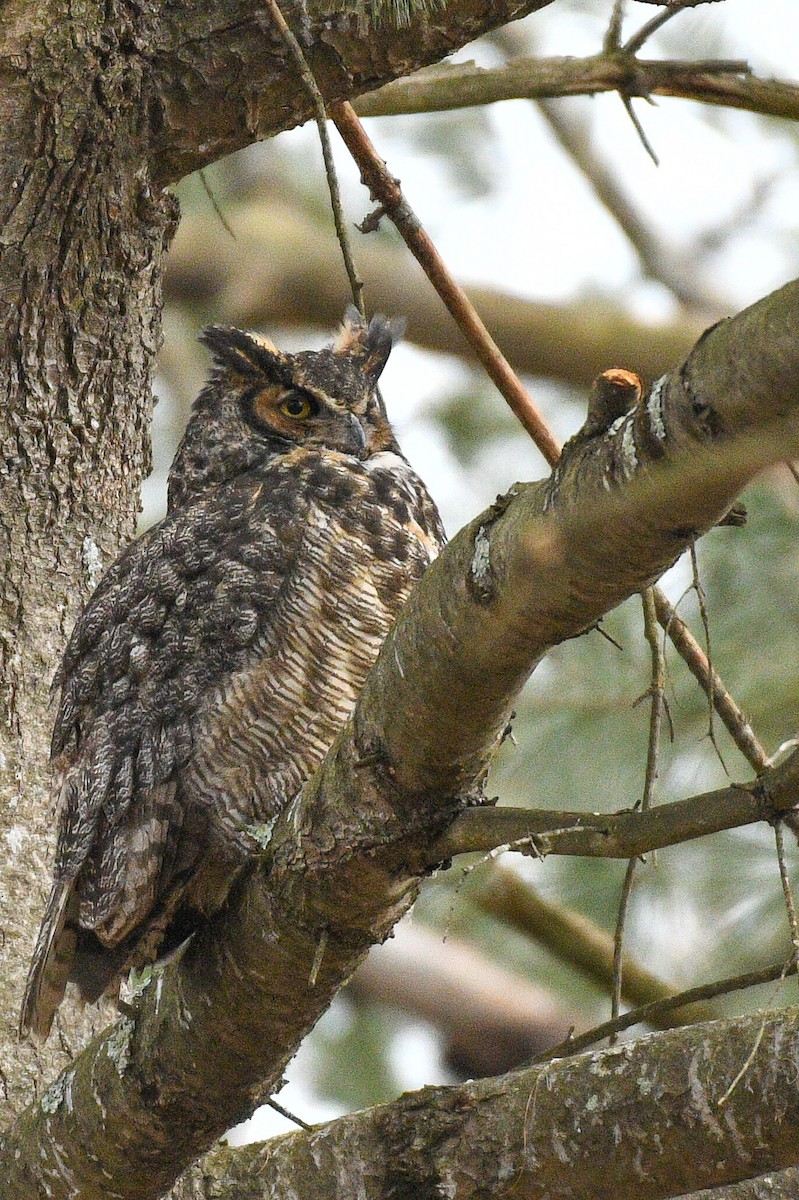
(358, 436)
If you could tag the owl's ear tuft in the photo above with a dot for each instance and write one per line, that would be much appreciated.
(246, 353)
(370, 343)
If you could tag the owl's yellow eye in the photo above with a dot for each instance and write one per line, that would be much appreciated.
(297, 406)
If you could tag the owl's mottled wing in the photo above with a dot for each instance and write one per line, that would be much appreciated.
(186, 605)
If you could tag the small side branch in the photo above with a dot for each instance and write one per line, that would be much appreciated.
(623, 834)
(659, 1011)
(657, 695)
(729, 84)
(697, 662)
(787, 892)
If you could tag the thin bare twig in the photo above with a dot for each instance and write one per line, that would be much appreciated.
(711, 699)
(285, 1112)
(639, 129)
(646, 1014)
(657, 692)
(384, 188)
(787, 891)
(618, 940)
(318, 958)
(215, 204)
(635, 43)
(696, 660)
(788, 968)
(750, 1058)
(612, 38)
(320, 116)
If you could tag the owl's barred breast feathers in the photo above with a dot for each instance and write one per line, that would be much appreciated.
(223, 651)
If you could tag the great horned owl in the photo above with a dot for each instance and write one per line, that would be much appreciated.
(224, 649)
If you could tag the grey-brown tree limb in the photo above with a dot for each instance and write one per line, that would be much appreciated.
(647, 1120)
(540, 831)
(210, 1035)
(461, 85)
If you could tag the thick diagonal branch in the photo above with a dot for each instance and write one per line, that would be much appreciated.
(212, 1033)
(221, 77)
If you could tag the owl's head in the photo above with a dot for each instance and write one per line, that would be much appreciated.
(260, 402)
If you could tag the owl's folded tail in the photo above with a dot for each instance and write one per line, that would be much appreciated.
(51, 962)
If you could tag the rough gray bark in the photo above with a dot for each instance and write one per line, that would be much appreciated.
(219, 77)
(83, 236)
(346, 859)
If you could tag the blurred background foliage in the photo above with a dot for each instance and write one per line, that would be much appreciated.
(567, 289)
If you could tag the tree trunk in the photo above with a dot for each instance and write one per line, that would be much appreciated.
(83, 237)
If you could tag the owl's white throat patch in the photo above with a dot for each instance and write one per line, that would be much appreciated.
(386, 460)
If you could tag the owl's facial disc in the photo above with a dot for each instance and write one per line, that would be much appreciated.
(297, 415)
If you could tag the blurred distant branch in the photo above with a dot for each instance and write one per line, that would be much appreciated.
(282, 271)
(491, 1019)
(571, 128)
(578, 941)
(728, 83)
(622, 834)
